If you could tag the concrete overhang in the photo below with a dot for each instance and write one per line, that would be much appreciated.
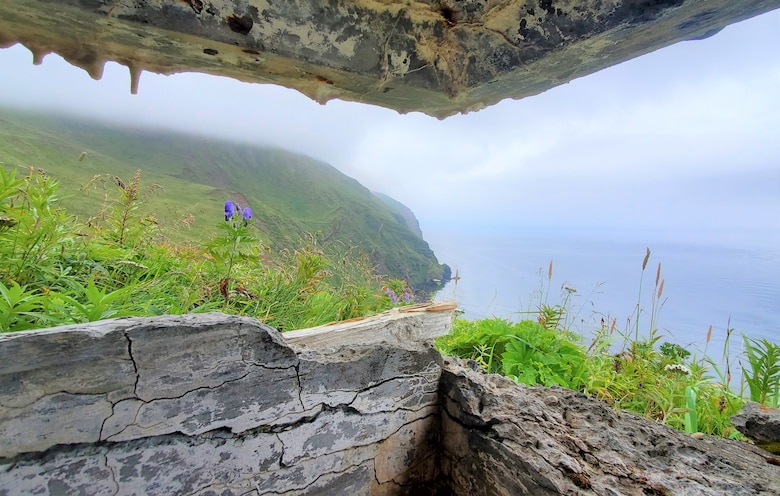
(436, 57)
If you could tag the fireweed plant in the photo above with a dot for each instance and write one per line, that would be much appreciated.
(55, 270)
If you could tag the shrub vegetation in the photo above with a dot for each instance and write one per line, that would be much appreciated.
(57, 270)
(625, 368)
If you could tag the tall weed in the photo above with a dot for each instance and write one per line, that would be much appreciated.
(54, 270)
(631, 369)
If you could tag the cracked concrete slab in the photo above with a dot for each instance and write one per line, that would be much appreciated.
(209, 404)
(381, 419)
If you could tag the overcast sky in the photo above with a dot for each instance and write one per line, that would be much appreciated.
(687, 136)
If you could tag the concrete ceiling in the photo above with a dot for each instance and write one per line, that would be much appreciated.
(432, 56)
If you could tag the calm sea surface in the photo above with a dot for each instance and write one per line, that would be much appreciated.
(709, 279)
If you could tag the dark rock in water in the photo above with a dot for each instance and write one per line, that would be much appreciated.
(759, 423)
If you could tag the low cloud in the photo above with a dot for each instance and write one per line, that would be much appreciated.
(687, 134)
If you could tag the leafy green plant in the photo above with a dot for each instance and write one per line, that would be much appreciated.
(691, 415)
(40, 232)
(20, 309)
(763, 377)
(535, 355)
(674, 352)
(96, 303)
(469, 339)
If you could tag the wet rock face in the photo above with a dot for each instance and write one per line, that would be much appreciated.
(438, 57)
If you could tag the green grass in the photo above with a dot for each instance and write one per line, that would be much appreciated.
(631, 369)
(56, 270)
(293, 196)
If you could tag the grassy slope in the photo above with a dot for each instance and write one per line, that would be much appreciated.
(404, 214)
(291, 194)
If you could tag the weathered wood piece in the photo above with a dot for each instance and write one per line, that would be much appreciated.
(415, 323)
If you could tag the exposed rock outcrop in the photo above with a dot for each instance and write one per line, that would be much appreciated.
(759, 423)
(503, 439)
(214, 404)
(435, 56)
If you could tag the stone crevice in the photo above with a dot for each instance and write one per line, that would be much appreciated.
(135, 364)
(54, 393)
(304, 489)
(281, 452)
(300, 387)
(110, 468)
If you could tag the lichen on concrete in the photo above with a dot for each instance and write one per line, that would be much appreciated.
(434, 56)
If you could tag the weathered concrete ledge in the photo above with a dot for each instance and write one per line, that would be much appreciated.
(213, 404)
(440, 57)
(415, 323)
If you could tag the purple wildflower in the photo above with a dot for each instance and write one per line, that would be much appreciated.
(230, 210)
(407, 297)
(247, 214)
(393, 297)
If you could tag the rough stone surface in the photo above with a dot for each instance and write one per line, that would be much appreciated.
(759, 423)
(221, 405)
(212, 404)
(434, 56)
(503, 439)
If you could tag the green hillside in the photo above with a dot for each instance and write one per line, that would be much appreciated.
(403, 214)
(188, 178)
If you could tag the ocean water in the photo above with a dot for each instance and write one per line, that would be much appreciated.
(727, 280)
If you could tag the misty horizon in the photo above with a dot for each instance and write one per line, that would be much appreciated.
(684, 137)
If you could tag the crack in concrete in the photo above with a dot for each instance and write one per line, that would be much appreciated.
(281, 454)
(347, 468)
(202, 388)
(154, 400)
(103, 424)
(135, 364)
(62, 391)
(113, 474)
(298, 490)
(351, 411)
(300, 387)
